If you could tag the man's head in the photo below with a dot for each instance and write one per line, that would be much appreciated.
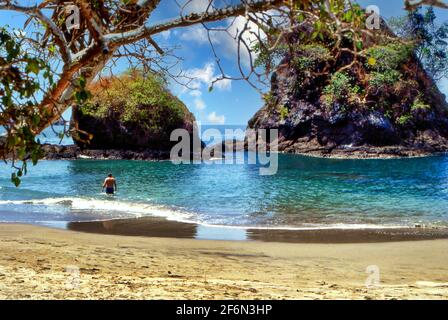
(110, 175)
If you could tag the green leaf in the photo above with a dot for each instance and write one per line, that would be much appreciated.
(33, 66)
(15, 179)
(359, 45)
(82, 81)
(36, 119)
(349, 16)
(21, 153)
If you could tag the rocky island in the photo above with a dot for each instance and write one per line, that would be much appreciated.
(370, 102)
(127, 117)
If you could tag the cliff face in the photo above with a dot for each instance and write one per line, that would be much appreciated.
(129, 113)
(326, 116)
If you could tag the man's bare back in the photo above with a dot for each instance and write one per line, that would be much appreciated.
(110, 184)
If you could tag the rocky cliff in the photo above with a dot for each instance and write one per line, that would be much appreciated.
(394, 110)
(130, 113)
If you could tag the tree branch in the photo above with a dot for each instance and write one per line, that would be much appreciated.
(413, 4)
(192, 19)
(34, 11)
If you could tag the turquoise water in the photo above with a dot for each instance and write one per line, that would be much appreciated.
(305, 193)
(56, 135)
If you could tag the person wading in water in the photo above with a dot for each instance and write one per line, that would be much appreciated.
(110, 184)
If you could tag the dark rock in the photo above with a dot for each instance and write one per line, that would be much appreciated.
(311, 128)
(73, 152)
(231, 145)
(112, 133)
(133, 114)
(377, 129)
(337, 115)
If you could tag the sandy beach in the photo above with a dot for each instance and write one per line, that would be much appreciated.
(44, 263)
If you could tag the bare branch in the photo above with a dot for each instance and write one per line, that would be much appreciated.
(191, 19)
(413, 4)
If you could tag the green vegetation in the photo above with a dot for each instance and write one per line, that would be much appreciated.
(404, 119)
(384, 63)
(21, 75)
(283, 112)
(135, 98)
(419, 104)
(340, 90)
(386, 78)
(308, 57)
(355, 70)
(339, 86)
(383, 58)
(269, 99)
(429, 38)
(307, 60)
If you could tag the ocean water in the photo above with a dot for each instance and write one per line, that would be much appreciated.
(305, 193)
(56, 135)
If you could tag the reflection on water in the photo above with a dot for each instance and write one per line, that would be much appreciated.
(151, 227)
(157, 227)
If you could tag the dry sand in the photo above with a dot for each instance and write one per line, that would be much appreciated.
(43, 263)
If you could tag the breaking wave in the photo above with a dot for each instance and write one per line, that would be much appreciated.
(132, 209)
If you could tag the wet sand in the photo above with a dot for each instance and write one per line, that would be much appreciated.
(159, 227)
(45, 263)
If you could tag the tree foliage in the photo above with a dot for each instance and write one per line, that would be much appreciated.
(341, 65)
(135, 97)
(431, 39)
(20, 116)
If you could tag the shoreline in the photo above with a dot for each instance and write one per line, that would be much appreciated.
(72, 152)
(46, 263)
(353, 156)
(162, 227)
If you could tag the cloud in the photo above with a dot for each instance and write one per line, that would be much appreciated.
(195, 34)
(204, 77)
(216, 119)
(195, 93)
(201, 76)
(199, 104)
(224, 84)
(225, 38)
(166, 34)
(196, 6)
(228, 41)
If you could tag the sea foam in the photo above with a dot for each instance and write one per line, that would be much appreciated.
(130, 209)
(138, 209)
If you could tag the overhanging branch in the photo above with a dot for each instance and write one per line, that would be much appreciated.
(191, 19)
